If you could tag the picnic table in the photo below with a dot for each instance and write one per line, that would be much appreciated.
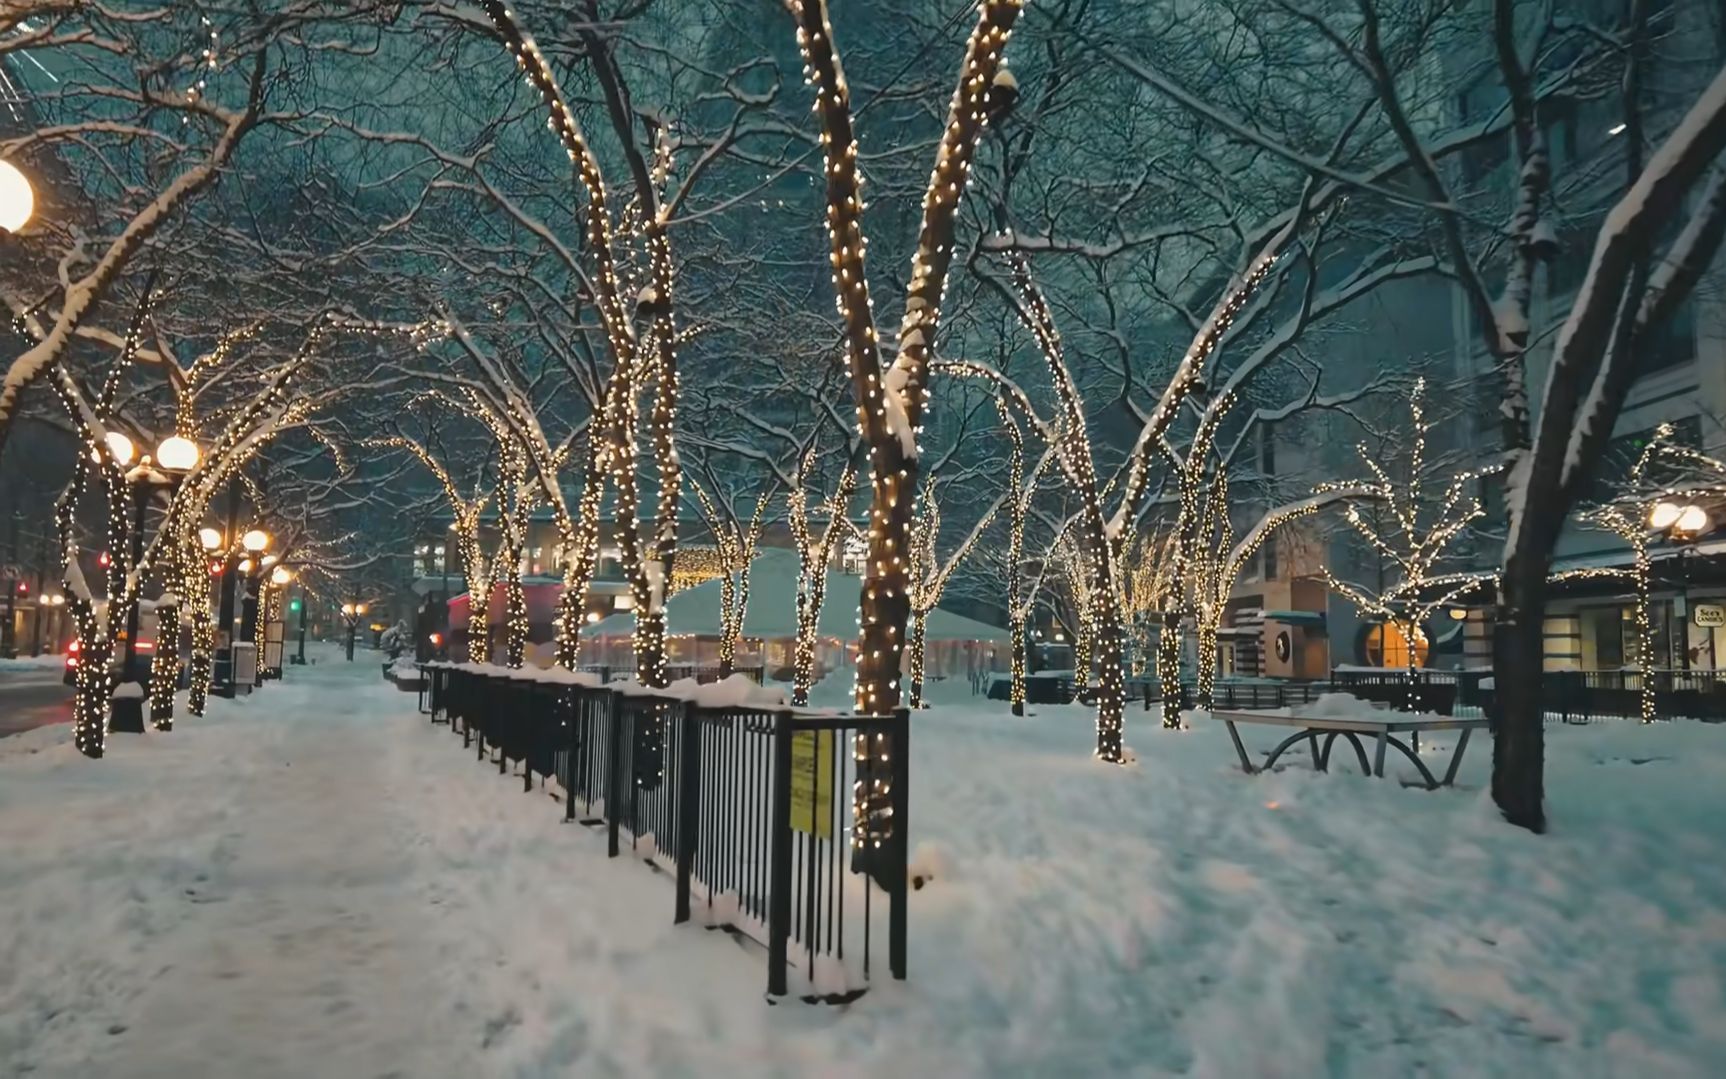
(1384, 732)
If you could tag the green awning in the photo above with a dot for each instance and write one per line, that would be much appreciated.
(1296, 618)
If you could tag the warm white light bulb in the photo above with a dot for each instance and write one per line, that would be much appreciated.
(17, 200)
(1693, 520)
(119, 447)
(1664, 515)
(209, 538)
(178, 454)
(255, 540)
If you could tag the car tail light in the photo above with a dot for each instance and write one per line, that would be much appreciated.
(146, 646)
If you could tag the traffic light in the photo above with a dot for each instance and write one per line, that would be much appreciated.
(23, 588)
(293, 605)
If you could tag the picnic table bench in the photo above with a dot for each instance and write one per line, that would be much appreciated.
(1383, 731)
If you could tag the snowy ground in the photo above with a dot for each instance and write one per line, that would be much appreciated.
(316, 882)
(45, 662)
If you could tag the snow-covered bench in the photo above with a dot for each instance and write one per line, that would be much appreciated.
(1351, 721)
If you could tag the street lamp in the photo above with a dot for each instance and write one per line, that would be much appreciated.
(176, 457)
(209, 539)
(120, 447)
(254, 541)
(351, 614)
(1683, 523)
(17, 200)
(281, 575)
(179, 454)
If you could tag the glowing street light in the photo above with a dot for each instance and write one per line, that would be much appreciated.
(119, 447)
(178, 454)
(1693, 521)
(281, 575)
(1664, 515)
(209, 539)
(17, 200)
(255, 540)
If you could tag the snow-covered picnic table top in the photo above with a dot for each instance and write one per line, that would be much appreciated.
(1389, 722)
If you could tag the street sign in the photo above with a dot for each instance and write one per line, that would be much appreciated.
(1710, 614)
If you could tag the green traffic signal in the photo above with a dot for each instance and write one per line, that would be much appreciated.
(293, 605)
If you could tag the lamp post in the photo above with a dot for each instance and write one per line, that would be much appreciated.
(176, 456)
(280, 576)
(300, 660)
(1682, 523)
(223, 675)
(351, 615)
(254, 542)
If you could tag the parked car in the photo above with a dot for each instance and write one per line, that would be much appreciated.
(146, 649)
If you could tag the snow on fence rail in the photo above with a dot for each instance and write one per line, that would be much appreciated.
(753, 806)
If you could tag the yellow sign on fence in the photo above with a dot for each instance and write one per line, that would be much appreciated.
(812, 783)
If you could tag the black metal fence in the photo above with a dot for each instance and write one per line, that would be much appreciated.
(703, 673)
(786, 828)
(1568, 696)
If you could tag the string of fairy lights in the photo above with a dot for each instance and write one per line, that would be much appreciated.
(929, 575)
(1645, 506)
(467, 514)
(1419, 536)
(728, 560)
(650, 570)
(890, 403)
(813, 553)
(1018, 611)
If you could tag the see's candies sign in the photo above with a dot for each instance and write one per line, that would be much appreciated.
(1710, 614)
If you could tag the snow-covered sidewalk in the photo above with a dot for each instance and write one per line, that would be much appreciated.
(315, 881)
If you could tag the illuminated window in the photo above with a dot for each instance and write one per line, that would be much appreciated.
(1387, 647)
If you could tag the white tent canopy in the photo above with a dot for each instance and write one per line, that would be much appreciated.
(772, 613)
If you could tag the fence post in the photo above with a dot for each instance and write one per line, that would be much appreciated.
(466, 709)
(779, 863)
(534, 723)
(688, 805)
(571, 701)
(900, 799)
(479, 735)
(613, 771)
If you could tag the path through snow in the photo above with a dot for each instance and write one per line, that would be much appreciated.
(317, 882)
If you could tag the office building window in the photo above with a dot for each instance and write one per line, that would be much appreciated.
(1622, 452)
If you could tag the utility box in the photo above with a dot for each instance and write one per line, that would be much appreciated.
(245, 667)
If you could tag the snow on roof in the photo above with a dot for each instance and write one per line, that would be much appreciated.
(772, 613)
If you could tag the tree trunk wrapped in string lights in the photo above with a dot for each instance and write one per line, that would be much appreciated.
(890, 401)
(1414, 534)
(1019, 596)
(929, 575)
(735, 545)
(1658, 503)
(814, 552)
(466, 516)
(649, 564)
